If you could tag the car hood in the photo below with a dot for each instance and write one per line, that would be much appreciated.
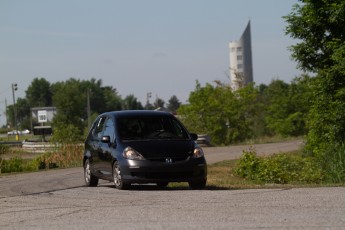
(162, 149)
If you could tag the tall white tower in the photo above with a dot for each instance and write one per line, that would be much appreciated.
(241, 64)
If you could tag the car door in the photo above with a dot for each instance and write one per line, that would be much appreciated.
(95, 145)
(108, 146)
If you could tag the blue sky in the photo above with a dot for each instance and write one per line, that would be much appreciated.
(138, 46)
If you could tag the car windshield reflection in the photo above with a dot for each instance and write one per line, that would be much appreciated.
(150, 128)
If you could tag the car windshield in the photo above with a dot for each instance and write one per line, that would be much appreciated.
(150, 128)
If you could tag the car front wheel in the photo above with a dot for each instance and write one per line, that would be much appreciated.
(90, 180)
(119, 184)
(198, 184)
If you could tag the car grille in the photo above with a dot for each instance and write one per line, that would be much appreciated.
(165, 175)
(174, 159)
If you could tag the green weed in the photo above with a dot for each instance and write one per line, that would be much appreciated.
(279, 168)
(333, 162)
(65, 156)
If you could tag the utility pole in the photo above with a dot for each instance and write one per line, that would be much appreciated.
(6, 113)
(7, 127)
(88, 109)
(14, 88)
(148, 96)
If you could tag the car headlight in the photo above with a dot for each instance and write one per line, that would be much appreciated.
(131, 154)
(198, 152)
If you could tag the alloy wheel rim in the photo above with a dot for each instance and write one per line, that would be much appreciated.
(87, 172)
(117, 176)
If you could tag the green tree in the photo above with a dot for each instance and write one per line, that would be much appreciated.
(300, 95)
(218, 111)
(23, 114)
(203, 114)
(319, 28)
(39, 93)
(102, 98)
(66, 133)
(287, 106)
(173, 104)
(130, 102)
(93, 89)
(159, 103)
(278, 107)
(149, 106)
(70, 102)
(251, 111)
(112, 100)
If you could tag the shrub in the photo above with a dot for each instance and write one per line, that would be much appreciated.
(17, 164)
(68, 155)
(12, 165)
(248, 165)
(279, 168)
(66, 133)
(333, 162)
(4, 149)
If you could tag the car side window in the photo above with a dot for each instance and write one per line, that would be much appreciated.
(97, 133)
(109, 129)
(177, 129)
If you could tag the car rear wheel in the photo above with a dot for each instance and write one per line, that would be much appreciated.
(198, 184)
(119, 184)
(90, 180)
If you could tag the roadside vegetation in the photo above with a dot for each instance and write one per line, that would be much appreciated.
(64, 156)
(280, 168)
(312, 106)
(250, 171)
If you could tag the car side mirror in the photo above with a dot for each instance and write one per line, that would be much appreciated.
(194, 136)
(106, 139)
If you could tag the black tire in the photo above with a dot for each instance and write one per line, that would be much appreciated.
(198, 184)
(117, 178)
(162, 184)
(90, 179)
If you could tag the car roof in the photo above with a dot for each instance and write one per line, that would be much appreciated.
(136, 113)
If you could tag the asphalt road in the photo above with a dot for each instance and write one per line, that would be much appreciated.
(215, 154)
(58, 199)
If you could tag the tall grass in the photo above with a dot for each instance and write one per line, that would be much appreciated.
(4, 149)
(333, 162)
(279, 168)
(17, 164)
(65, 156)
(68, 155)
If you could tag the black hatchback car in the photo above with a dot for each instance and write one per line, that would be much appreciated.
(129, 147)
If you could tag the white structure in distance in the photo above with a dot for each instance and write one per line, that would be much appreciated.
(241, 64)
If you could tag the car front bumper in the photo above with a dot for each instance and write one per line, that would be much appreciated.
(146, 171)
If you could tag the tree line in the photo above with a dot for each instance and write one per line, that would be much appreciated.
(72, 98)
(227, 116)
(251, 112)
